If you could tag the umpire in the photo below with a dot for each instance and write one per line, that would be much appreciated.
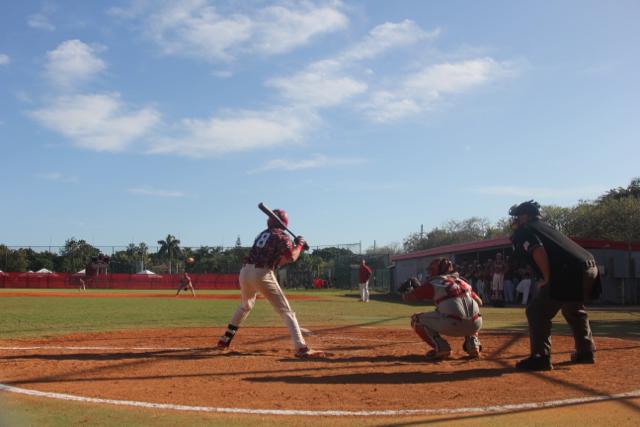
(569, 278)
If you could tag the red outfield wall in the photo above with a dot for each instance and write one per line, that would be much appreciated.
(116, 281)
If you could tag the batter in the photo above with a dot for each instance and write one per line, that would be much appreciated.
(271, 249)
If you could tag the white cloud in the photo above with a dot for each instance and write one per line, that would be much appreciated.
(236, 131)
(155, 192)
(41, 20)
(384, 106)
(57, 176)
(133, 9)
(420, 91)
(100, 122)
(197, 28)
(317, 161)
(283, 28)
(318, 86)
(387, 36)
(459, 77)
(222, 74)
(194, 28)
(4, 59)
(73, 62)
(539, 192)
(327, 83)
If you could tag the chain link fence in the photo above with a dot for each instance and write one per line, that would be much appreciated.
(334, 266)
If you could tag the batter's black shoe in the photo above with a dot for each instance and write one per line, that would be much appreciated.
(535, 363)
(223, 344)
(583, 358)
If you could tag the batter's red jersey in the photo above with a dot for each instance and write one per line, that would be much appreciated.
(269, 248)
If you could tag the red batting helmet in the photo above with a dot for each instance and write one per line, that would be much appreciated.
(440, 266)
(284, 217)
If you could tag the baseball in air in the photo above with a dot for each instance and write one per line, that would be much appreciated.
(190, 260)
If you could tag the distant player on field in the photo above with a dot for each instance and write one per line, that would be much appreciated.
(364, 274)
(185, 284)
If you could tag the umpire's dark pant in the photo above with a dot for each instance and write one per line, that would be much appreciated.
(542, 308)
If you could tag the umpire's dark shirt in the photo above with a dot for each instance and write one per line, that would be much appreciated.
(567, 259)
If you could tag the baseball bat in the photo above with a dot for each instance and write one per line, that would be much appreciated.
(276, 218)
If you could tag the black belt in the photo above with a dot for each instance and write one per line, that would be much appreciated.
(256, 265)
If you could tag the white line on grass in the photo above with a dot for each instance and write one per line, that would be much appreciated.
(386, 412)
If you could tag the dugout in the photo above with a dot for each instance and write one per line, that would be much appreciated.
(618, 262)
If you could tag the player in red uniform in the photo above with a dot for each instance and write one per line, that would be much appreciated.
(271, 249)
(457, 311)
(185, 284)
(364, 274)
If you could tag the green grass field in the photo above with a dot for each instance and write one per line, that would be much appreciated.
(28, 317)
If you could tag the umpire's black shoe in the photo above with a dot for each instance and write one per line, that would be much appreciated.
(535, 363)
(583, 358)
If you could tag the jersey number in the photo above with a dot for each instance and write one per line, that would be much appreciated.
(261, 240)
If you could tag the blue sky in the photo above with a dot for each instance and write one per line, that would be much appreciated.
(123, 121)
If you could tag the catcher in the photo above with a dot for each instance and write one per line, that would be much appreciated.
(185, 284)
(457, 310)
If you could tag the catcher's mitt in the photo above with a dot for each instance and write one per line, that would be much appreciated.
(408, 285)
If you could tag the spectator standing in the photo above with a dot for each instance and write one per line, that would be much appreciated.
(509, 289)
(482, 282)
(524, 286)
(497, 280)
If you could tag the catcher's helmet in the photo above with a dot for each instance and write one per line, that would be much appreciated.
(284, 217)
(530, 208)
(440, 266)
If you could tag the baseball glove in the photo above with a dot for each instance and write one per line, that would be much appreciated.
(408, 285)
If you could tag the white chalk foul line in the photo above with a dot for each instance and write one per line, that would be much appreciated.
(324, 413)
(386, 412)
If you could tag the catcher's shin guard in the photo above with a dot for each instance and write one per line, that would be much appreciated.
(433, 338)
(472, 345)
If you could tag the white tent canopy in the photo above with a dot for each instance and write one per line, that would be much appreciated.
(44, 271)
(148, 273)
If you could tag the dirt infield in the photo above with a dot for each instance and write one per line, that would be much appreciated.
(369, 369)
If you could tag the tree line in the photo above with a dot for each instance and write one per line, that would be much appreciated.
(615, 215)
(169, 258)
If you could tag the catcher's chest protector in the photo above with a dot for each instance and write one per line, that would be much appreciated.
(449, 287)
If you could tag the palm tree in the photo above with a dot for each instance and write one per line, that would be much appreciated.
(169, 247)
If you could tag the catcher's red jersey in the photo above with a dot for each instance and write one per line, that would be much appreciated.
(451, 294)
